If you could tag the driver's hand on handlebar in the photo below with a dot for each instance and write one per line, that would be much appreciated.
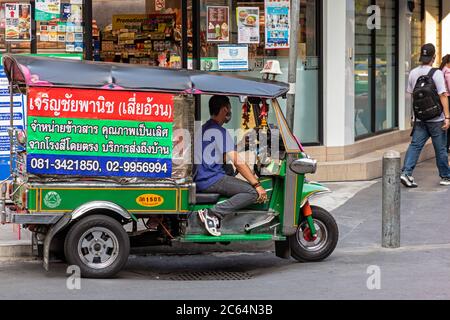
(262, 195)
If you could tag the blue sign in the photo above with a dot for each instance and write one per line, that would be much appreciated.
(19, 110)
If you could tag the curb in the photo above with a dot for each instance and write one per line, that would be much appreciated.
(15, 249)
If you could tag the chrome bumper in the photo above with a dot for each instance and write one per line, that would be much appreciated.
(36, 218)
(8, 216)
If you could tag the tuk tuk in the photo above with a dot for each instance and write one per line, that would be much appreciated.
(106, 163)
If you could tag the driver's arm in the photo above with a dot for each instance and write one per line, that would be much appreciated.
(245, 171)
(242, 167)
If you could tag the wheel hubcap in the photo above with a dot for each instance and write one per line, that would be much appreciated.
(98, 248)
(309, 242)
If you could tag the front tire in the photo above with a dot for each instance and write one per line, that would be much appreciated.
(306, 249)
(99, 245)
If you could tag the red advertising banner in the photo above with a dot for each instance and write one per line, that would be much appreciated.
(100, 104)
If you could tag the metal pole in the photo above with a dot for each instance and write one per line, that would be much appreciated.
(33, 44)
(196, 51)
(196, 40)
(293, 55)
(391, 200)
(87, 38)
(184, 34)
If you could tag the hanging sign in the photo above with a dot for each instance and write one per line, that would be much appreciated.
(218, 22)
(99, 133)
(47, 10)
(17, 22)
(277, 24)
(248, 25)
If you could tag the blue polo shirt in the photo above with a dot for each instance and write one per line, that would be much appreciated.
(216, 142)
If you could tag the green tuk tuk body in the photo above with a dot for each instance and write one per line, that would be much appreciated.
(87, 216)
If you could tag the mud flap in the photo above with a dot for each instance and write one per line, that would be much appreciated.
(60, 225)
(283, 249)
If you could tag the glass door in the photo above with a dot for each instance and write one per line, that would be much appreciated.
(376, 68)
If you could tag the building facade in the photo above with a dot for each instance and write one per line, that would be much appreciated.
(354, 57)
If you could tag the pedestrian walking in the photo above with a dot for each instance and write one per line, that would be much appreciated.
(431, 116)
(445, 67)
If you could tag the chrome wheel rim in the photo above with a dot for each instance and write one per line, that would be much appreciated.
(319, 243)
(98, 248)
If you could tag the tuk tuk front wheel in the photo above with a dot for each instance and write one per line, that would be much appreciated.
(99, 245)
(308, 248)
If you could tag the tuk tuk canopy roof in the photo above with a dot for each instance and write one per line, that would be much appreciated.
(48, 72)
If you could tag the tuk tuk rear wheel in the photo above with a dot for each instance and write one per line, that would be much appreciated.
(99, 245)
(305, 248)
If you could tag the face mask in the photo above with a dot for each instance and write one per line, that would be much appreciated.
(228, 117)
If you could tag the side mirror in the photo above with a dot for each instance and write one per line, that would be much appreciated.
(304, 166)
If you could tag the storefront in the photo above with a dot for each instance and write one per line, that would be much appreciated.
(211, 35)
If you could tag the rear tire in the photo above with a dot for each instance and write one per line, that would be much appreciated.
(304, 248)
(99, 245)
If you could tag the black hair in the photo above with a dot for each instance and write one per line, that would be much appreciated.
(216, 103)
(445, 61)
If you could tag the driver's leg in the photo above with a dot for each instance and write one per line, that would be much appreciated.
(241, 195)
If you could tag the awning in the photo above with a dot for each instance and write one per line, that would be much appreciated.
(49, 72)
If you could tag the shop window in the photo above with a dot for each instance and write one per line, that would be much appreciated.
(60, 29)
(243, 23)
(134, 32)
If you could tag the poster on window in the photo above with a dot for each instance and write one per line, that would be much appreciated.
(248, 25)
(160, 5)
(218, 21)
(277, 24)
(17, 22)
(76, 14)
(66, 11)
(232, 57)
(47, 10)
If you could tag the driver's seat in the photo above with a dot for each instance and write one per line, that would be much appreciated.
(207, 198)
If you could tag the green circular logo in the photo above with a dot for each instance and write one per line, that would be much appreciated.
(52, 200)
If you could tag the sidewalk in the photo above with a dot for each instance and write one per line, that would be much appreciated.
(425, 213)
(10, 245)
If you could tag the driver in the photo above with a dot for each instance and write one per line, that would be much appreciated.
(210, 177)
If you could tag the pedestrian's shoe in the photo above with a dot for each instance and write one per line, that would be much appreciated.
(445, 182)
(408, 181)
(211, 222)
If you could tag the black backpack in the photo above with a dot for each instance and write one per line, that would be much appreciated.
(426, 101)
